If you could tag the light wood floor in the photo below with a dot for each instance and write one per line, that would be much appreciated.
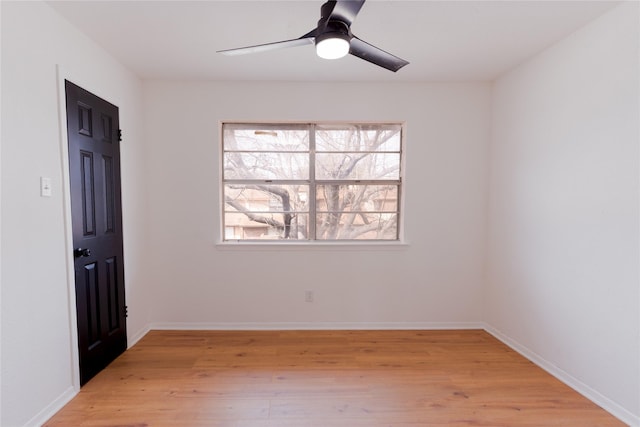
(326, 379)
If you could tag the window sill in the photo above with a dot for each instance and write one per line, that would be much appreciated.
(311, 246)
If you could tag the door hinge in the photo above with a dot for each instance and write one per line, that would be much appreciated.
(120, 135)
(126, 311)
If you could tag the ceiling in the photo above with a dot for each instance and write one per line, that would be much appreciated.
(443, 40)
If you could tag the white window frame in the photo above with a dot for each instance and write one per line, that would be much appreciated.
(312, 183)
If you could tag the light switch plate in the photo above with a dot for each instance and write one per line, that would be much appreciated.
(45, 186)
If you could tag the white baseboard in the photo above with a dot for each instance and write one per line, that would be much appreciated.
(134, 338)
(591, 394)
(48, 412)
(285, 326)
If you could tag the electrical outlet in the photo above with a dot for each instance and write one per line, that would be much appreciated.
(308, 296)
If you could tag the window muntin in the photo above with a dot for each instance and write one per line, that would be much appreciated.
(311, 181)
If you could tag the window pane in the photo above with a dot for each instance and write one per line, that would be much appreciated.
(266, 198)
(357, 226)
(265, 137)
(266, 165)
(266, 211)
(265, 226)
(356, 212)
(360, 166)
(378, 137)
(359, 198)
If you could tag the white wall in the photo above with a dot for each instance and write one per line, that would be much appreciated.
(434, 281)
(37, 372)
(563, 281)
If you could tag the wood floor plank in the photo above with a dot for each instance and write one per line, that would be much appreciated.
(327, 379)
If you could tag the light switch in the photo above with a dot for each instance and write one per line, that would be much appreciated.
(45, 186)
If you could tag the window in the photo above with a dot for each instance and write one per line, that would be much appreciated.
(318, 182)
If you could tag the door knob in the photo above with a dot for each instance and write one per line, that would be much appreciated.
(79, 253)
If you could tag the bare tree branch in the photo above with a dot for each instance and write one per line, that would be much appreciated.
(285, 198)
(252, 216)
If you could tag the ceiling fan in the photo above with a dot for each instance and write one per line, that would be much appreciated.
(333, 38)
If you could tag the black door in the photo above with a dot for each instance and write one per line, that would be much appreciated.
(94, 171)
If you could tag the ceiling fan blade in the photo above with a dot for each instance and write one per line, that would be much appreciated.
(375, 55)
(346, 10)
(306, 39)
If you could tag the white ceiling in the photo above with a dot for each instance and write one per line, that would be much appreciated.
(442, 40)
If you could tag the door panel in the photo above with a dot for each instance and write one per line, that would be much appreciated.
(88, 196)
(96, 209)
(111, 266)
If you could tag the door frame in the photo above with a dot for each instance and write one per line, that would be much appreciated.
(63, 74)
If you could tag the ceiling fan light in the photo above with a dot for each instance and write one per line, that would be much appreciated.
(332, 47)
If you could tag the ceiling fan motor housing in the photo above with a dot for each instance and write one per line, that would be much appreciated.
(331, 27)
(334, 30)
